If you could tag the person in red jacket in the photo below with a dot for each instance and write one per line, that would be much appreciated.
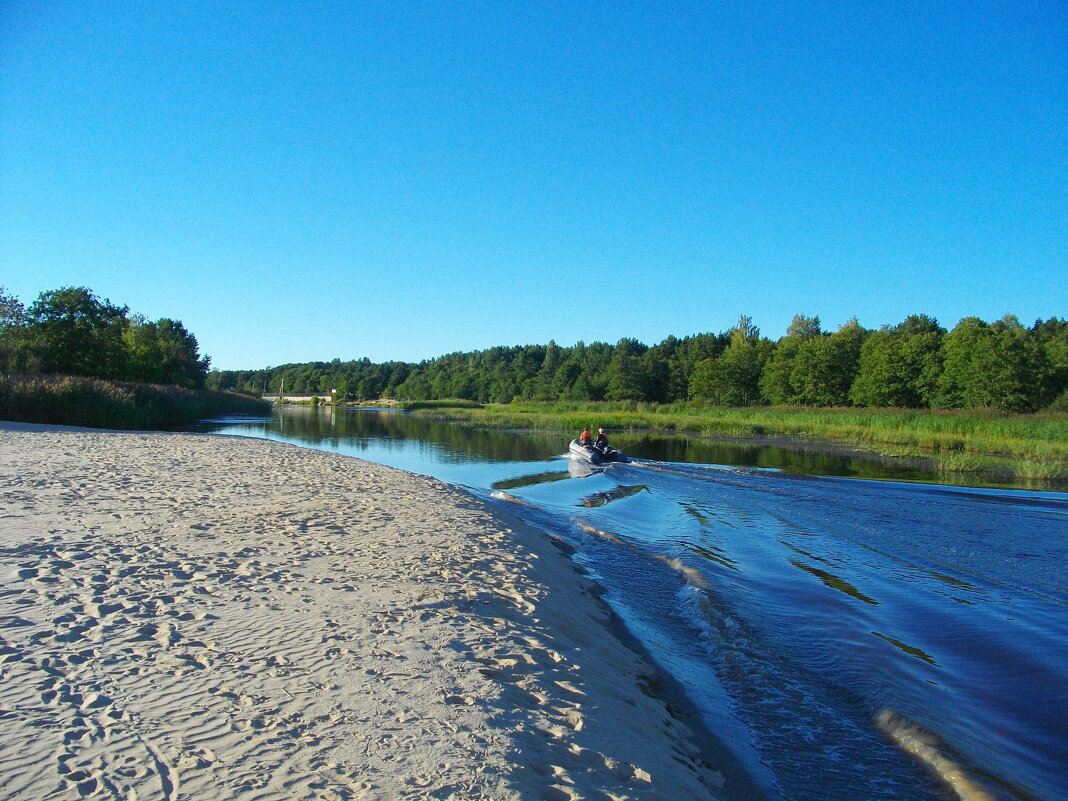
(584, 438)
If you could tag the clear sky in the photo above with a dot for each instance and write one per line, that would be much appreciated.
(309, 180)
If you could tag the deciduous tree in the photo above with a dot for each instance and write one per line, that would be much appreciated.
(75, 333)
(776, 383)
(825, 366)
(989, 366)
(733, 377)
(899, 366)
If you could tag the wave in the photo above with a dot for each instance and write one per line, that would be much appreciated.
(501, 495)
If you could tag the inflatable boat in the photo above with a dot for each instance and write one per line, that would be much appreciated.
(594, 456)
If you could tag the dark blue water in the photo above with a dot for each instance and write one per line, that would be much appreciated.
(848, 638)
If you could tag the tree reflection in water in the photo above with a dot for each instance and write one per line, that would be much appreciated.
(464, 443)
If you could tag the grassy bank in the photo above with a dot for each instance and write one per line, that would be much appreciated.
(1029, 446)
(91, 403)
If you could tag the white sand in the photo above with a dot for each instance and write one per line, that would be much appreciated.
(194, 617)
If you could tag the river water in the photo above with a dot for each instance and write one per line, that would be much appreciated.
(849, 631)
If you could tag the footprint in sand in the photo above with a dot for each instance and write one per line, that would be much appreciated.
(572, 717)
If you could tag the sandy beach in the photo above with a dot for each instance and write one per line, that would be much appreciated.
(197, 617)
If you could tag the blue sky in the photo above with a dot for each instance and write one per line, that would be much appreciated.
(310, 180)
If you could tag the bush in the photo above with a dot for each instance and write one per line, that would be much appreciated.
(1060, 404)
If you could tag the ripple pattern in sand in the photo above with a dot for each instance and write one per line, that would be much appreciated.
(189, 617)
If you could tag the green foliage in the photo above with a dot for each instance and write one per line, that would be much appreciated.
(625, 378)
(777, 382)
(900, 366)
(70, 331)
(804, 327)
(733, 377)
(1060, 403)
(74, 333)
(825, 366)
(164, 352)
(1052, 336)
(15, 355)
(997, 366)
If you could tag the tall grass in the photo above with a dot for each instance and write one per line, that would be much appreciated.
(1031, 446)
(442, 404)
(92, 403)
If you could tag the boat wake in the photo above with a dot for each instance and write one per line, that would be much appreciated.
(924, 746)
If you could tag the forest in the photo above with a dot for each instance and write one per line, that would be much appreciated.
(72, 332)
(1003, 366)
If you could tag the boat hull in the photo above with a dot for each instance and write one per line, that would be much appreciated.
(592, 456)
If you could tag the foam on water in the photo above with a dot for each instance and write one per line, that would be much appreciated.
(501, 495)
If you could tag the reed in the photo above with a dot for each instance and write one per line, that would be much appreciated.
(93, 403)
(458, 403)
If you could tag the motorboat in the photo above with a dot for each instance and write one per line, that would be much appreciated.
(593, 455)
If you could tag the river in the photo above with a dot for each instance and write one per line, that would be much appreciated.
(851, 631)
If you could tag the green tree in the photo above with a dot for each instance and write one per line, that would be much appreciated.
(415, 387)
(733, 378)
(776, 382)
(657, 375)
(12, 312)
(566, 377)
(15, 352)
(596, 371)
(368, 388)
(660, 365)
(825, 366)
(922, 359)
(1052, 338)
(899, 366)
(164, 352)
(625, 378)
(687, 354)
(990, 366)
(75, 333)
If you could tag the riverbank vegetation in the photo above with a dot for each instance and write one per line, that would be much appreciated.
(1026, 446)
(71, 358)
(96, 403)
(1003, 367)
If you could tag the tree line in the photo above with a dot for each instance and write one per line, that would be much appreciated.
(70, 331)
(917, 363)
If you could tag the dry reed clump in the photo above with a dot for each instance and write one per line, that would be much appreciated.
(94, 403)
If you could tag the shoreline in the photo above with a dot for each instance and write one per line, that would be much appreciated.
(736, 782)
(195, 616)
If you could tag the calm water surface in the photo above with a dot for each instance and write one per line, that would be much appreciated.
(848, 638)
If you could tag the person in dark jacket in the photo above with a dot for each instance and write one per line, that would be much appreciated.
(602, 441)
